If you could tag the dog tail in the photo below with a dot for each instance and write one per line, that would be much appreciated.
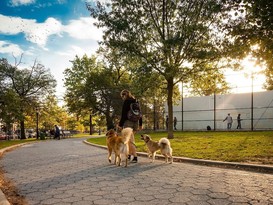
(163, 143)
(126, 134)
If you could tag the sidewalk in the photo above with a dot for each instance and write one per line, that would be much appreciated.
(103, 176)
(3, 199)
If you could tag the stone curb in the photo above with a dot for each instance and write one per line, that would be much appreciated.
(3, 199)
(229, 165)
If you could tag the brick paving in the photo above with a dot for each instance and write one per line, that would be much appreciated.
(70, 172)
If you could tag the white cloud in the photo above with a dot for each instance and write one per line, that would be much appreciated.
(34, 32)
(9, 48)
(38, 33)
(83, 29)
(14, 25)
(21, 2)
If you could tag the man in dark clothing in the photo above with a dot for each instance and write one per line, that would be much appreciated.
(239, 121)
(57, 133)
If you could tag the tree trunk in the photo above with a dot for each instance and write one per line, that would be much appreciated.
(170, 86)
(22, 125)
(109, 122)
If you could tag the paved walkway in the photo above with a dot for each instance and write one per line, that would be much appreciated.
(70, 172)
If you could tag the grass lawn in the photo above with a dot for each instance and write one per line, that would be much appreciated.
(254, 147)
(8, 143)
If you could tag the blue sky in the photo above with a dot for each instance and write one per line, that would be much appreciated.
(52, 32)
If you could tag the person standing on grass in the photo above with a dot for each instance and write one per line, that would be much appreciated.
(124, 122)
(174, 123)
(167, 122)
(239, 121)
(229, 121)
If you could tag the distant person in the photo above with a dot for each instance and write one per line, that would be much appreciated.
(167, 122)
(239, 126)
(229, 121)
(174, 123)
(57, 134)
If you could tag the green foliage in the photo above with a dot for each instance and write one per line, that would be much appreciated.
(170, 39)
(208, 82)
(94, 88)
(23, 88)
(252, 31)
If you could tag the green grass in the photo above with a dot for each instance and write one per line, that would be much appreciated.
(8, 143)
(255, 147)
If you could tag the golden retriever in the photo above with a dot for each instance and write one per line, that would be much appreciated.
(163, 145)
(119, 144)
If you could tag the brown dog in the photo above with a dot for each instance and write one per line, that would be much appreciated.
(118, 144)
(163, 145)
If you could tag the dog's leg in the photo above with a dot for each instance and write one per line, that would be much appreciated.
(126, 161)
(171, 158)
(118, 159)
(149, 154)
(166, 158)
(153, 156)
(116, 155)
(109, 155)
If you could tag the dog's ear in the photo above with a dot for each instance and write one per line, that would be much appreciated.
(110, 132)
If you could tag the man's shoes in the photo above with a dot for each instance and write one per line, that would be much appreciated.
(134, 160)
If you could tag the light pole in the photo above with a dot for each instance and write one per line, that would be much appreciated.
(252, 101)
(90, 124)
(37, 123)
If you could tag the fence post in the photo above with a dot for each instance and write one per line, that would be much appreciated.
(182, 107)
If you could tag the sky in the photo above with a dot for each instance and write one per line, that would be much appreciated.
(53, 32)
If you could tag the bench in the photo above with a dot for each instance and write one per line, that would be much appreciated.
(66, 133)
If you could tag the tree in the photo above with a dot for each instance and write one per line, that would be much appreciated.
(28, 85)
(208, 82)
(93, 87)
(251, 31)
(175, 39)
(9, 110)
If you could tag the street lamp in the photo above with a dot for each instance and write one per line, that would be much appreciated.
(90, 124)
(37, 123)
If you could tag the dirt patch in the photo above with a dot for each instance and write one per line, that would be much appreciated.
(10, 191)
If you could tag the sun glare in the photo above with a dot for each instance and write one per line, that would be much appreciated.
(250, 77)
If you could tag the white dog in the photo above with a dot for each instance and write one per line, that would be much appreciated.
(166, 150)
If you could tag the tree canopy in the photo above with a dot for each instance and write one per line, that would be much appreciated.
(175, 39)
(23, 88)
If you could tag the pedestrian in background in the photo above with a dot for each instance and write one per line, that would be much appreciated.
(174, 123)
(167, 122)
(239, 121)
(229, 121)
(57, 133)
